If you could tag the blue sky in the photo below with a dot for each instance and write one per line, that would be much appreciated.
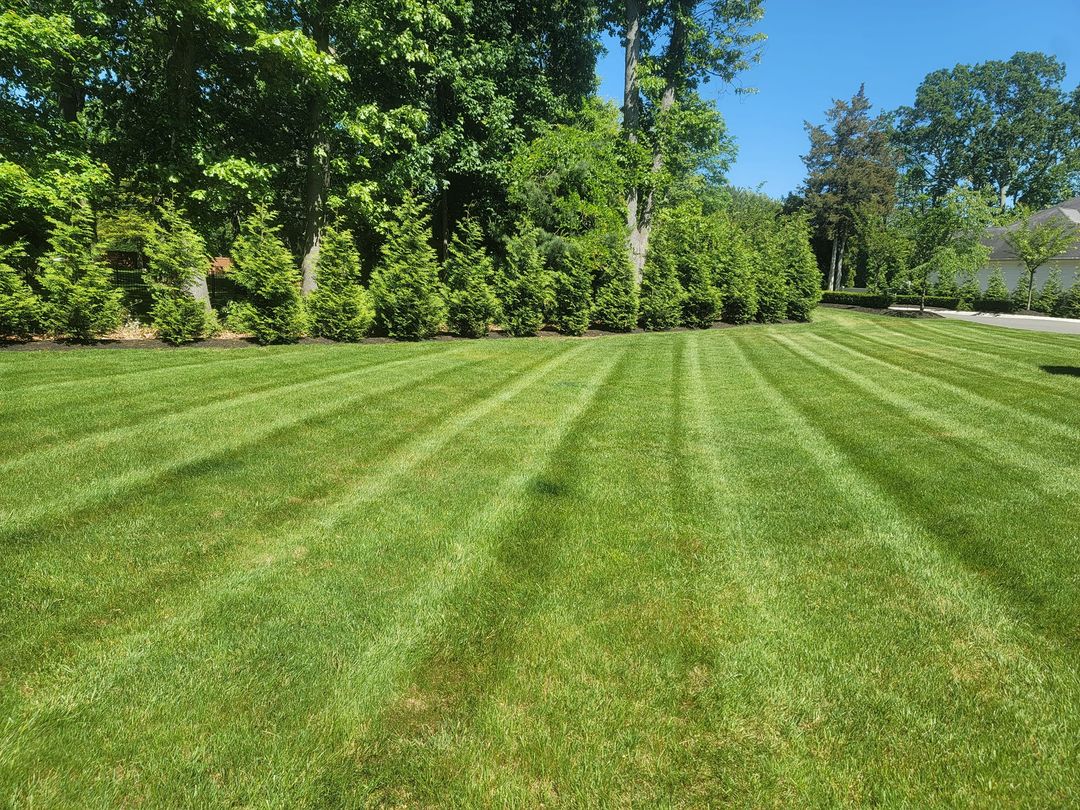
(819, 50)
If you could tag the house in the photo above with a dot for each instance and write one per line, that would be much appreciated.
(1002, 256)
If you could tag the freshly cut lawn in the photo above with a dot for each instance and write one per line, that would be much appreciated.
(823, 564)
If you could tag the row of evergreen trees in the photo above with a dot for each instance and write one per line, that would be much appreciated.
(700, 269)
(1052, 298)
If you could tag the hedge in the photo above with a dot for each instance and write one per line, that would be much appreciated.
(857, 299)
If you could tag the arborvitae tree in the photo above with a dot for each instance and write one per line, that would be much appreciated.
(703, 302)
(80, 300)
(177, 263)
(970, 289)
(20, 309)
(523, 285)
(1049, 300)
(339, 308)
(1022, 293)
(615, 293)
(409, 299)
(571, 304)
(1070, 302)
(264, 267)
(472, 305)
(996, 289)
(769, 281)
(799, 267)
(734, 277)
(662, 295)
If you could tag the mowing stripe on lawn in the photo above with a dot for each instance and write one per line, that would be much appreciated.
(46, 506)
(128, 414)
(183, 360)
(114, 435)
(297, 515)
(397, 465)
(977, 439)
(1030, 478)
(978, 365)
(994, 627)
(1008, 412)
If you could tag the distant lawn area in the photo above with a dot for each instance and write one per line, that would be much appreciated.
(820, 564)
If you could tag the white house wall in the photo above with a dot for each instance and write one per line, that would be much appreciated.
(1013, 271)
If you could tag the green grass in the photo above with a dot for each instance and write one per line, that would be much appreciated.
(824, 564)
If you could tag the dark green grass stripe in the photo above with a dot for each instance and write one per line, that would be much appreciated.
(309, 506)
(979, 441)
(128, 410)
(962, 528)
(1007, 410)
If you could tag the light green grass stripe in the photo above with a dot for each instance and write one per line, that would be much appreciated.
(196, 446)
(71, 689)
(979, 438)
(1052, 426)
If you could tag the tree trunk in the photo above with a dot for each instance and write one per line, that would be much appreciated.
(832, 263)
(631, 122)
(318, 168)
(840, 262)
(181, 83)
(1031, 289)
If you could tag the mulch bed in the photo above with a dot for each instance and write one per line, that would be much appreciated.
(42, 345)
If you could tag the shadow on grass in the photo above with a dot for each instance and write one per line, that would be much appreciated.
(1067, 371)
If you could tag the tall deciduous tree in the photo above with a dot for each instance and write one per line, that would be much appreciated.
(851, 170)
(672, 47)
(1005, 125)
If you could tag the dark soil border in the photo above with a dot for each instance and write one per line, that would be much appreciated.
(42, 345)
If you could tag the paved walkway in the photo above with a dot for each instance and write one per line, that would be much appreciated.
(1032, 323)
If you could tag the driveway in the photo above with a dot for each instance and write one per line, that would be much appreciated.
(1032, 323)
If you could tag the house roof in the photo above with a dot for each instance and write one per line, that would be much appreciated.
(999, 248)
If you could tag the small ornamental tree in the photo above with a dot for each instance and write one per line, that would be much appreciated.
(571, 286)
(80, 300)
(339, 308)
(177, 263)
(799, 267)
(996, 288)
(409, 299)
(1050, 295)
(523, 285)
(615, 295)
(264, 267)
(20, 309)
(1036, 243)
(472, 305)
